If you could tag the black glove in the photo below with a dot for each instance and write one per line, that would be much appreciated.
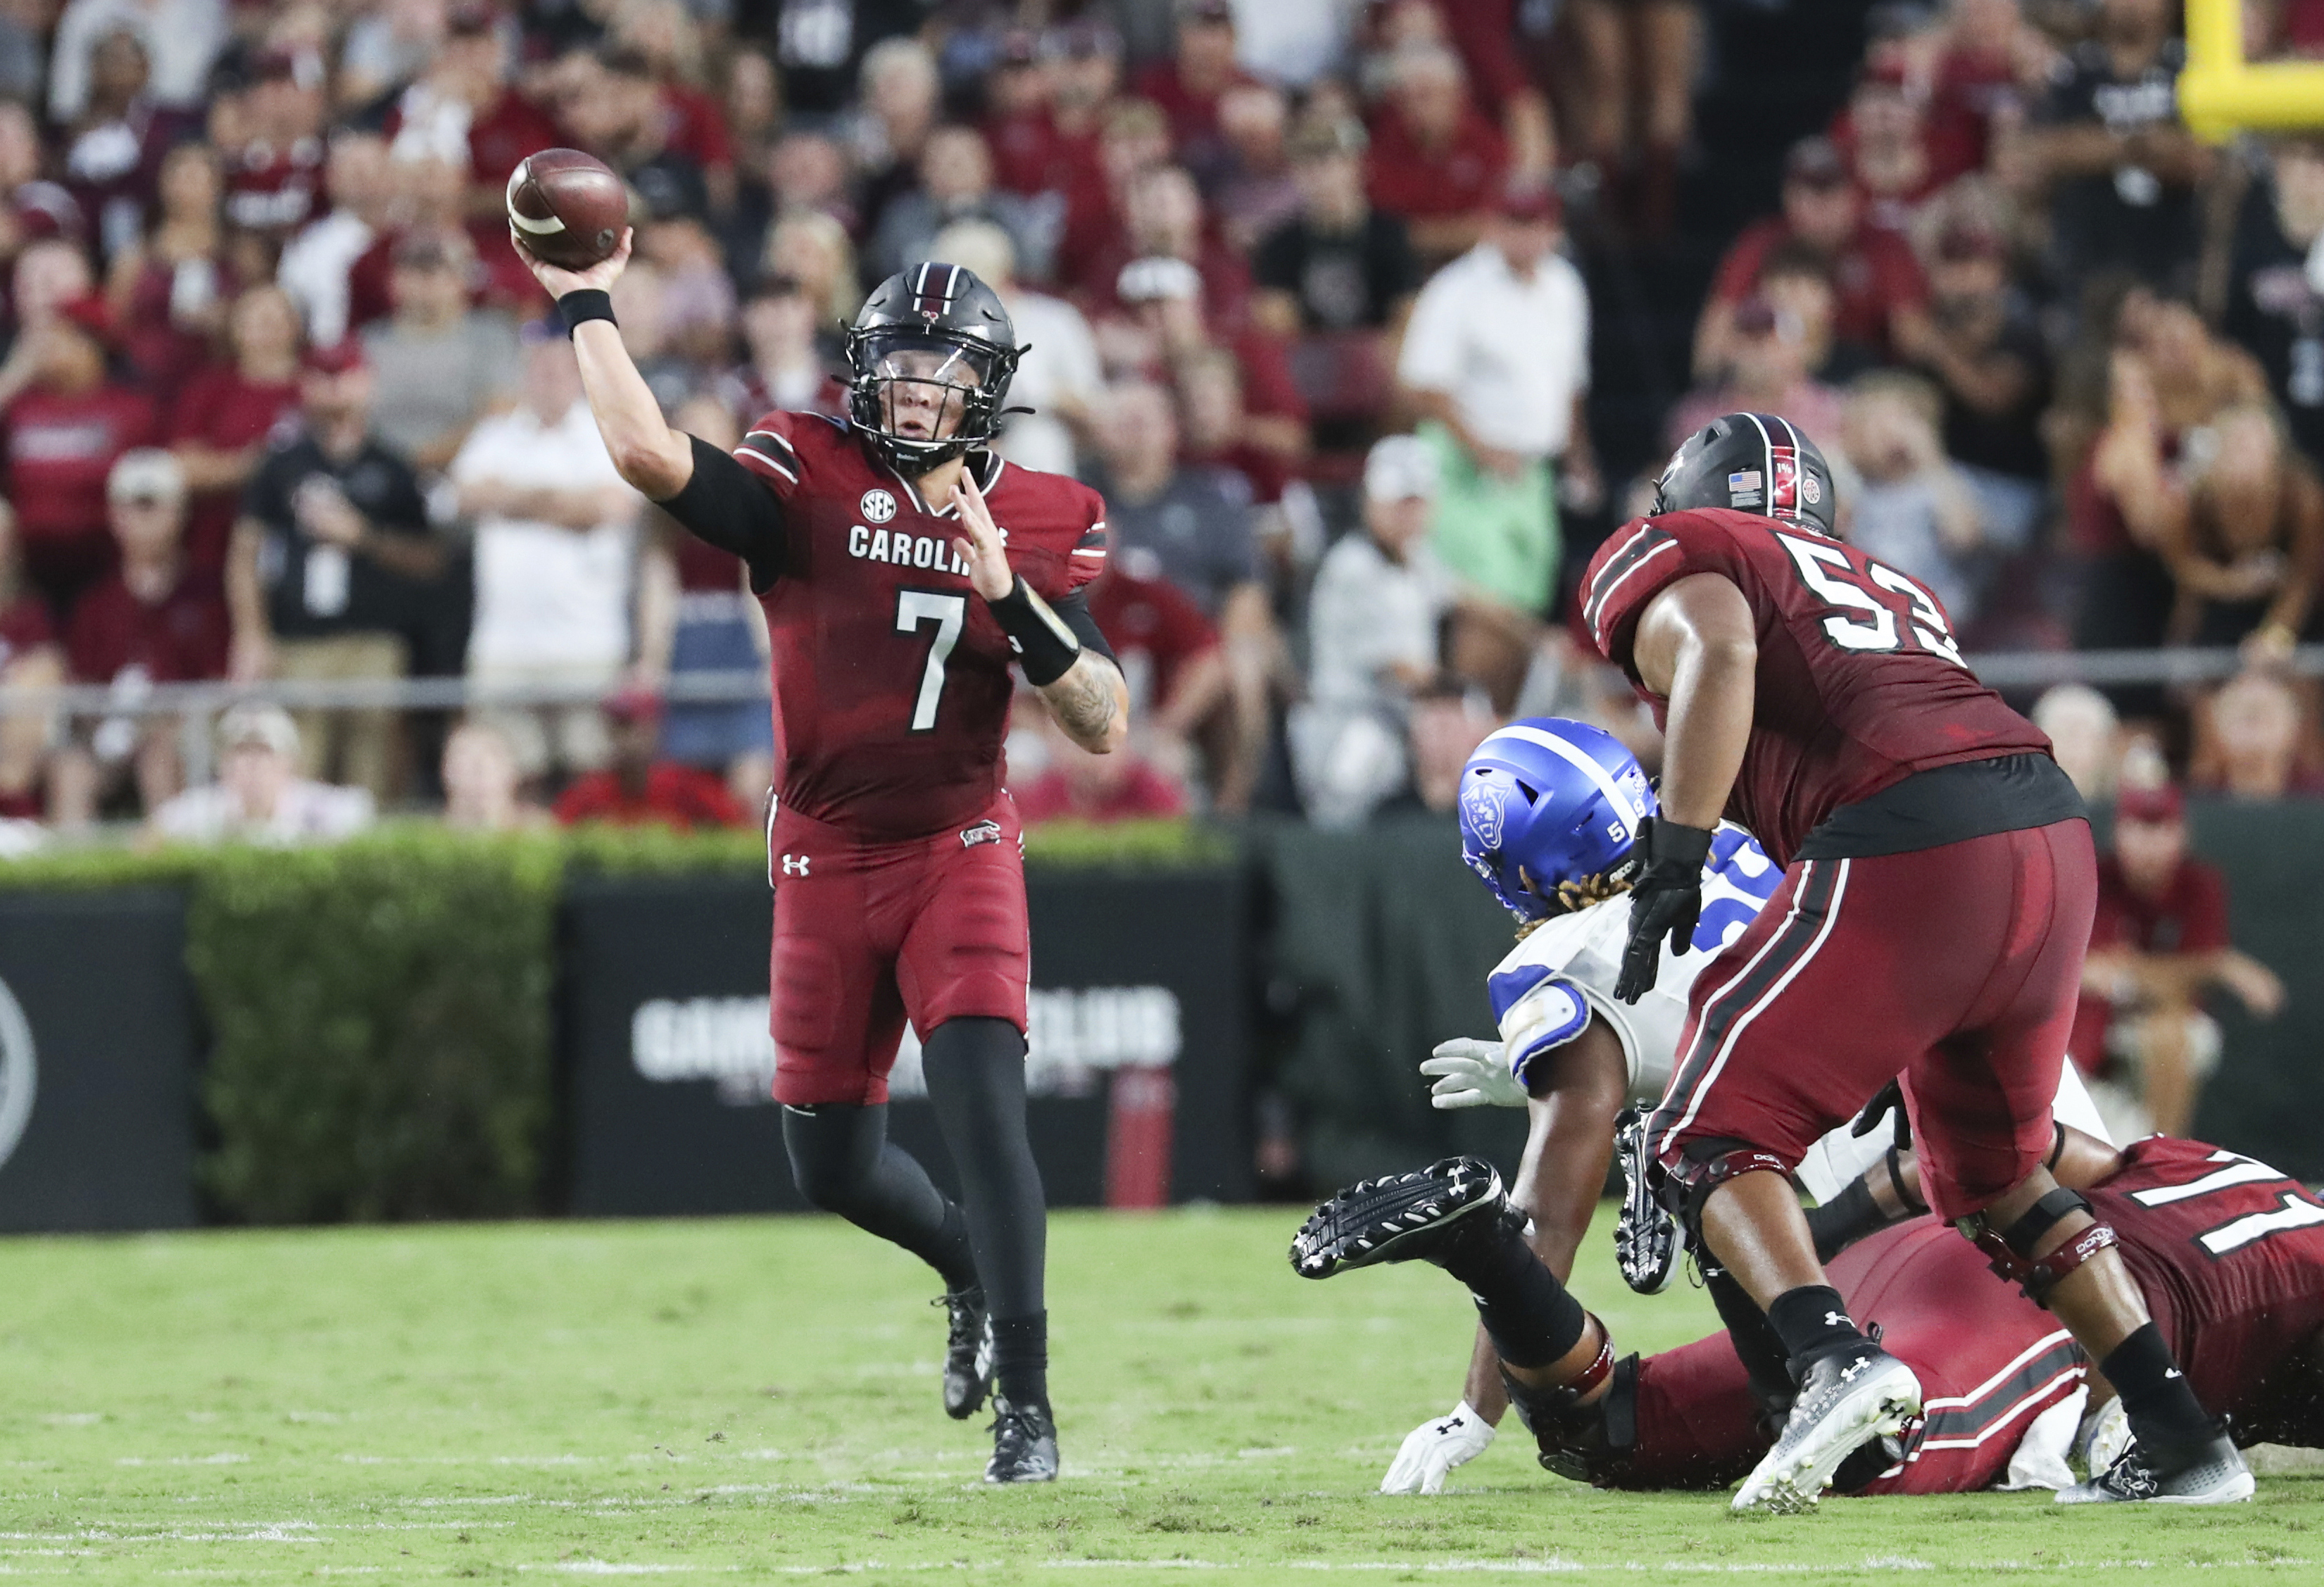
(1889, 1099)
(1665, 901)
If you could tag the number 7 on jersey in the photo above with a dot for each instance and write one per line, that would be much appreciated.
(913, 608)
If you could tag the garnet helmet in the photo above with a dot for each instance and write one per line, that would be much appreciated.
(1753, 463)
(939, 327)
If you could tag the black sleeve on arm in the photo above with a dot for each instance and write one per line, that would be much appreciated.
(729, 507)
(1073, 611)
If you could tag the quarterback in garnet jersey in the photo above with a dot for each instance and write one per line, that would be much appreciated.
(1929, 930)
(903, 567)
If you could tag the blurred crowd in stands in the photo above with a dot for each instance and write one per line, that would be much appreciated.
(1308, 289)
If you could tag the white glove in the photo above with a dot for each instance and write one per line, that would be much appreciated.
(1434, 1448)
(1471, 1075)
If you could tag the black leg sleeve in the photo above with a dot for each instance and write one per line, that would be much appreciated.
(1764, 1360)
(842, 1161)
(975, 1070)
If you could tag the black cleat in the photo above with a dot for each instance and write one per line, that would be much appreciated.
(1645, 1236)
(1402, 1218)
(968, 1352)
(2211, 1474)
(1024, 1443)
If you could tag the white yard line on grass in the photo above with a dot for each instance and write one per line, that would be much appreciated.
(1878, 1563)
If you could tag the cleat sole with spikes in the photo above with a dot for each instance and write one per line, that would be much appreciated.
(1401, 1218)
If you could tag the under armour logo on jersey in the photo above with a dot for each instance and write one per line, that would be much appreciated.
(795, 865)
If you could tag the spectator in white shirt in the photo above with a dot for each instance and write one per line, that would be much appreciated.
(1059, 378)
(259, 797)
(1375, 620)
(1497, 361)
(556, 549)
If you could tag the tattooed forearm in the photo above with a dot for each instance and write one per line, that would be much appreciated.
(1091, 703)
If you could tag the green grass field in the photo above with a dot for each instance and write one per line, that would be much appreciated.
(757, 1400)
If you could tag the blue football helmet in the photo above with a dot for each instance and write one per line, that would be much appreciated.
(1545, 801)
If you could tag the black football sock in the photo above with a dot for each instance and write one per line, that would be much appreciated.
(842, 1161)
(975, 1070)
(1021, 1359)
(1811, 1321)
(1532, 1320)
(2163, 1411)
(1755, 1344)
(1844, 1220)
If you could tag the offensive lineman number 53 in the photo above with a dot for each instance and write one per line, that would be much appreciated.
(1826, 570)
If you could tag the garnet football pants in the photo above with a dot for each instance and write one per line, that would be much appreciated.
(1957, 967)
(1990, 1361)
(869, 935)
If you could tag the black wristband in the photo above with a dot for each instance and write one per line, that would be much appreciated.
(1045, 647)
(1680, 848)
(585, 303)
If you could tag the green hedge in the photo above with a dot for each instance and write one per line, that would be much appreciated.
(380, 1011)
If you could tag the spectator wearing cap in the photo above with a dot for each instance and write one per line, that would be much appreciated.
(30, 658)
(260, 797)
(168, 288)
(2158, 945)
(1340, 264)
(221, 427)
(2274, 307)
(438, 364)
(332, 562)
(67, 420)
(1201, 68)
(1338, 278)
(2120, 170)
(274, 164)
(182, 38)
(1877, 280)
(1496, 358)
(1980, 346)
(155, 619)
(1375, 622)
(641, 789)
(956, 184)
(1434, 159)
(1196, 524)
(556, 541)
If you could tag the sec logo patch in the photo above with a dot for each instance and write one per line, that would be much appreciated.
(879, 506)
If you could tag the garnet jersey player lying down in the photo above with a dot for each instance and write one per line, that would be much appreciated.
(2230, 1251)
(1547, 809)
(896, 603)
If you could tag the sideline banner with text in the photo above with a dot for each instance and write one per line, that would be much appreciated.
(1135, 1072)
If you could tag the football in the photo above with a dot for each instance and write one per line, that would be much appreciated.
(567, 207)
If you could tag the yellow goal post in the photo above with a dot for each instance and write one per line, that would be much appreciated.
(2221, 94)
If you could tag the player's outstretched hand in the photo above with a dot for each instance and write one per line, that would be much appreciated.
(1665, 901)
(1434, 1448)
(1471, 1073)
(979, 544)
(599, 277)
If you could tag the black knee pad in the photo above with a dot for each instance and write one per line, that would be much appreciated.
(2010, 1251)
(824, 1146)
(1582, 1443)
